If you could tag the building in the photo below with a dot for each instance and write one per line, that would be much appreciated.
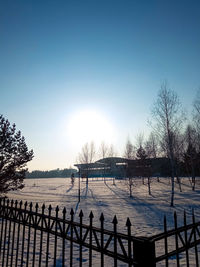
(121, 168)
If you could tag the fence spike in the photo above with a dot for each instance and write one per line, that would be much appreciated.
(72, 212)
(31, 206)
(20, 203)
(184, 217)
(115, 221)
(64, 210)
(25, 205)
(101, 217)
(50, 208)
(12, 202)
(36, 206)
(43, 207)
(91, 216)
(128, 222)
(57, 209)
(81, 214)
(8, 201)
(165, 223)
(16, 202)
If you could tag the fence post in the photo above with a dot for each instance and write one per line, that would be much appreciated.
(144, 252)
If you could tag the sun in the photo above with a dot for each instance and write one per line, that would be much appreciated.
(90, 126)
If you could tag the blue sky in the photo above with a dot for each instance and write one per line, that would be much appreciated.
(60, 58)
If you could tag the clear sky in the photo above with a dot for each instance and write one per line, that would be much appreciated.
(66, 65)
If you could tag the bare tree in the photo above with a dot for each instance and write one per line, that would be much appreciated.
(87, 155)
(129, 152)
(190, 154)
(196, 118)
(111, 151)
(196, 110)
(103, 150)
(139, 140)
(168, 118)
(151, 146)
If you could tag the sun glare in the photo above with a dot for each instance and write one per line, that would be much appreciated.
(89, 125)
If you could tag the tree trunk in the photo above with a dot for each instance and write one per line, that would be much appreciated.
(149, 185)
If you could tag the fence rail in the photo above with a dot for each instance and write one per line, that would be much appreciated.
(34, 236)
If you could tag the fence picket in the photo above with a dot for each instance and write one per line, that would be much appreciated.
(186, 240)
(176, 239)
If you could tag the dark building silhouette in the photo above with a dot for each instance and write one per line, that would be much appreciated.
(121, 168)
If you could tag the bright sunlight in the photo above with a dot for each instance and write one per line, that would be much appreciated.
(89, 125)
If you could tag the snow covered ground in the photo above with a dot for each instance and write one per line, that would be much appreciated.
(145, 211)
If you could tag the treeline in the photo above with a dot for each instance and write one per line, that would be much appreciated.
(51, 173)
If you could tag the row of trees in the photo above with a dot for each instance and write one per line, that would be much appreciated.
(51, 173)
(172, 136)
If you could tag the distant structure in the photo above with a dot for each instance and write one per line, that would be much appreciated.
(121, 168)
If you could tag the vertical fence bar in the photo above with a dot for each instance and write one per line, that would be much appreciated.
(186, 240)
(91, 216)
(128, 225)
(115, 239)
(63, 238)
(176, 239)
(71, 237)
(23, 234)
(47, 251)
(35, 232)
(165, 240)
(5, 232)
(18, 232)
(9, 233)
(102, 239)
(2, 224)
(13, 234)
(195, 240)
(55, 240)
(81, 237)
(29, 233)
(41, 234)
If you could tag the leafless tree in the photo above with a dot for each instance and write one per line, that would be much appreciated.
(196, 111)
(111, 151)
(151, 146)
(103, 150)
(87, 155)
(190, 153)
(129, 152)
(196, 118)
(168, 118)
(139, 140)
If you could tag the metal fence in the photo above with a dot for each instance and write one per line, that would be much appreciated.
(34, 236)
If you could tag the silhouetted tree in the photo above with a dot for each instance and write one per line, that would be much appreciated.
(14, 155)
(191, 155)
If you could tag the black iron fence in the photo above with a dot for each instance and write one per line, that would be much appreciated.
(34, 236)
